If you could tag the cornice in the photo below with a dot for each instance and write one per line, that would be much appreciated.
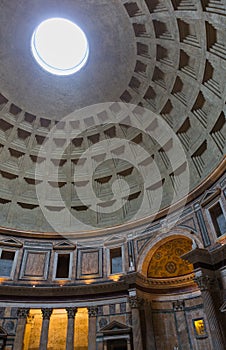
(95, 290)
(166, 283)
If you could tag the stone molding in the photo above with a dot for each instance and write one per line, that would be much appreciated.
(165, 282)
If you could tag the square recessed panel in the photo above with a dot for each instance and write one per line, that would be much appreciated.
(89, 263)
(35, 264)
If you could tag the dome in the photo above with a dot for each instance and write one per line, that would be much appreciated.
(124, 139)
(112, 177)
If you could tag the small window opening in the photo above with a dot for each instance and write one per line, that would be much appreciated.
(63, 263)
(6, 263)
(116, 260)
(218, 219)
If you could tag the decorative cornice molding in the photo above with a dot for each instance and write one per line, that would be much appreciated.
(173, 282)
(77, 291)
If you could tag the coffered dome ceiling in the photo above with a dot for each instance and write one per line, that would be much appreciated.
(142, 121)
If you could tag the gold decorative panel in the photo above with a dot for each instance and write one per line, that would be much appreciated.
(33, 330)
(166, 261)
(57, 330)
(81, 329)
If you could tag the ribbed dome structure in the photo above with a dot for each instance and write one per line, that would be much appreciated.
(144, 119)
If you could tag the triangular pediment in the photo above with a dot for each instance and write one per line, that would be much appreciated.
(3, 333)
(116, 239)
(114, 326)
(209, 196)
(65, 245)
(11, 242)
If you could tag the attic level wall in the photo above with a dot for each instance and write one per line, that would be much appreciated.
(36, 261)
(174, 324)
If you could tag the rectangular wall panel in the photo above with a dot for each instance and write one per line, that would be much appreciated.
(35, 264)
(89, 263)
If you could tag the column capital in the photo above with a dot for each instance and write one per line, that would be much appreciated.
(147, 303)
(23, 312)
(46, 313)
(71, 312)
(135, 302)
(178, 305)
(204, 282)
(92, 311)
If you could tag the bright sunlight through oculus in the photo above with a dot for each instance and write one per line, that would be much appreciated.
(60, 46)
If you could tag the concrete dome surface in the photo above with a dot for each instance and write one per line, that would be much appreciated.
(134, 131)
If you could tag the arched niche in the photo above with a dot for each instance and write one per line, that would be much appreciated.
(164, 266)
(160, 238)
(166, 261)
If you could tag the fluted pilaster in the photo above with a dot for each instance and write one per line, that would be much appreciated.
(46, 314)
(206, 284)
(135, 303)
(71, 312)
(22, 315)
(92, 312)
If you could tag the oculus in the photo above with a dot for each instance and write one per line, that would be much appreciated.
(59, 46)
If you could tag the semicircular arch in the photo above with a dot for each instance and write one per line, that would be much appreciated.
(151, 247)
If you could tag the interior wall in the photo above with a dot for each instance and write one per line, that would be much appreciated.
(33, 330)
(81, 329)
(57, 330)
(173, 323)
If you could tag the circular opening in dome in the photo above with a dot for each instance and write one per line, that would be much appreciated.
(60, 46)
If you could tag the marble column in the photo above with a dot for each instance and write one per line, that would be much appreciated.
(92, 312)
(105, 345)
(46, 314)
(71, 312)
(128, 344)
(135, 304)
(205, 284)
(150, 338)
(21, 324)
